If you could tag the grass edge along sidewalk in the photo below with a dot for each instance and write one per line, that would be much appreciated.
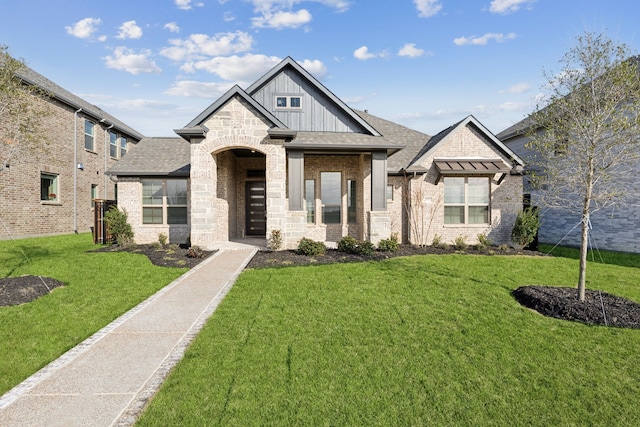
(99, 287)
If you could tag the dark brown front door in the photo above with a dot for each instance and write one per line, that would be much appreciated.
(256, 222)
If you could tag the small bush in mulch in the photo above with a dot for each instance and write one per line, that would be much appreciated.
(19, 290)
(179, 256)
(598, 308)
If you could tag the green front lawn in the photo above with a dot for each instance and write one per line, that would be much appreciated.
(99, 287)
(425, 340)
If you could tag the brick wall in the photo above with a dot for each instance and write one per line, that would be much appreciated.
(427, 196)
(22, 213)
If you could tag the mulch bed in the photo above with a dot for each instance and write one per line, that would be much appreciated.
(598, 308)
(18, 290)
(557, 302)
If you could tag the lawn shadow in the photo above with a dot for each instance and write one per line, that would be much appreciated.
(25, 254)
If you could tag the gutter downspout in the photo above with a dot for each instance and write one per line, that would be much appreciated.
(75, 171)
(106, 155)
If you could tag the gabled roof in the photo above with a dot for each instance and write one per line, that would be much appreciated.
(290, 62)
(155, 157)
(230, 94)
(31, 77)
(467, 121)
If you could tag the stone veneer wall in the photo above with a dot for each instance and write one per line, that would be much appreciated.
(235, 125)
(427, 198)
(22, 213)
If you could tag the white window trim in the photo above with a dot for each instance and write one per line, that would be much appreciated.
(288, 106)
(56, 180)
(92, 134)
(467, 205)
(165, 204)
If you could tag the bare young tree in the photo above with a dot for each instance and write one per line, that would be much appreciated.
(586, 136)
(20, 113)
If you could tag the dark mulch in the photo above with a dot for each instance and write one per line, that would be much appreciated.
(598, 308)
(163, 256)
(268, 259)
(18, 290)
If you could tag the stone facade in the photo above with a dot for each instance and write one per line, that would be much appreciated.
(61, 133)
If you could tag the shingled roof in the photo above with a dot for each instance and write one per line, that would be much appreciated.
(32, 77)
(155, 157)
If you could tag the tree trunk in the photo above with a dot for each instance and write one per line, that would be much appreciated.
(584, 246)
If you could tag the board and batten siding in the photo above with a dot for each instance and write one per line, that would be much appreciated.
(318, 113)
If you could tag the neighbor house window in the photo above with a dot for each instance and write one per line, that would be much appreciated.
(164, 201)
(94, 195)
(310, 200)
(351, 202)
(390, 193)
(330, 189)
(113, 145)
(123, 146)
(466, 200)
(289, 102)
(48, 187)
(89, 135)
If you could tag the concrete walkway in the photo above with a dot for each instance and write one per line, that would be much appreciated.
(107, 379)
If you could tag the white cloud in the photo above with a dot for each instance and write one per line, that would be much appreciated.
(280, 20)
(248, 68)
(172, 26)
(235, 68)
(265, 6)
(194, 89)
(128, 60)
(315, 67)
(228, 16)
(129, 30)
(411, 51)
(520, 88)
(84, 28)
(183, 4)
(198, 46)
(145, 104)
(483, 40)
(427, 8)
(507, 6)
(362, 53)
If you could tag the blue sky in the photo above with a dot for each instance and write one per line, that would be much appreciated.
(423, 63)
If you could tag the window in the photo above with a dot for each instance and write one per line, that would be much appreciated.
(113, 145)
(390, 192)
(330, 187)
(466, 200)
(164, 201)
(123, 146)
(89, 135)
(94, 195)
(289, 102)
(351, 202)
(48, 187)
(310, 200)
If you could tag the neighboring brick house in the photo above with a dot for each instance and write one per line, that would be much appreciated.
(615, 228)
(287, 154)
(48, 188)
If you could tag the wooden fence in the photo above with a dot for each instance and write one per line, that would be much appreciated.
(101, 232)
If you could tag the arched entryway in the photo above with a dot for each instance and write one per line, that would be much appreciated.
(242, 191)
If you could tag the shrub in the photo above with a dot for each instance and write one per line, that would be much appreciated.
(484, 240)
(389, 245)
(349, 245)
(275, 241)
(195, 252)
(120, 229)
(162, 239)
(438, 243)
(310, 247)
(525, 228)
(460, 243)
(367, 248)
(503, 247)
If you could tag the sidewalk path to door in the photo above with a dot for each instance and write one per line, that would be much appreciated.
(107, 379)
